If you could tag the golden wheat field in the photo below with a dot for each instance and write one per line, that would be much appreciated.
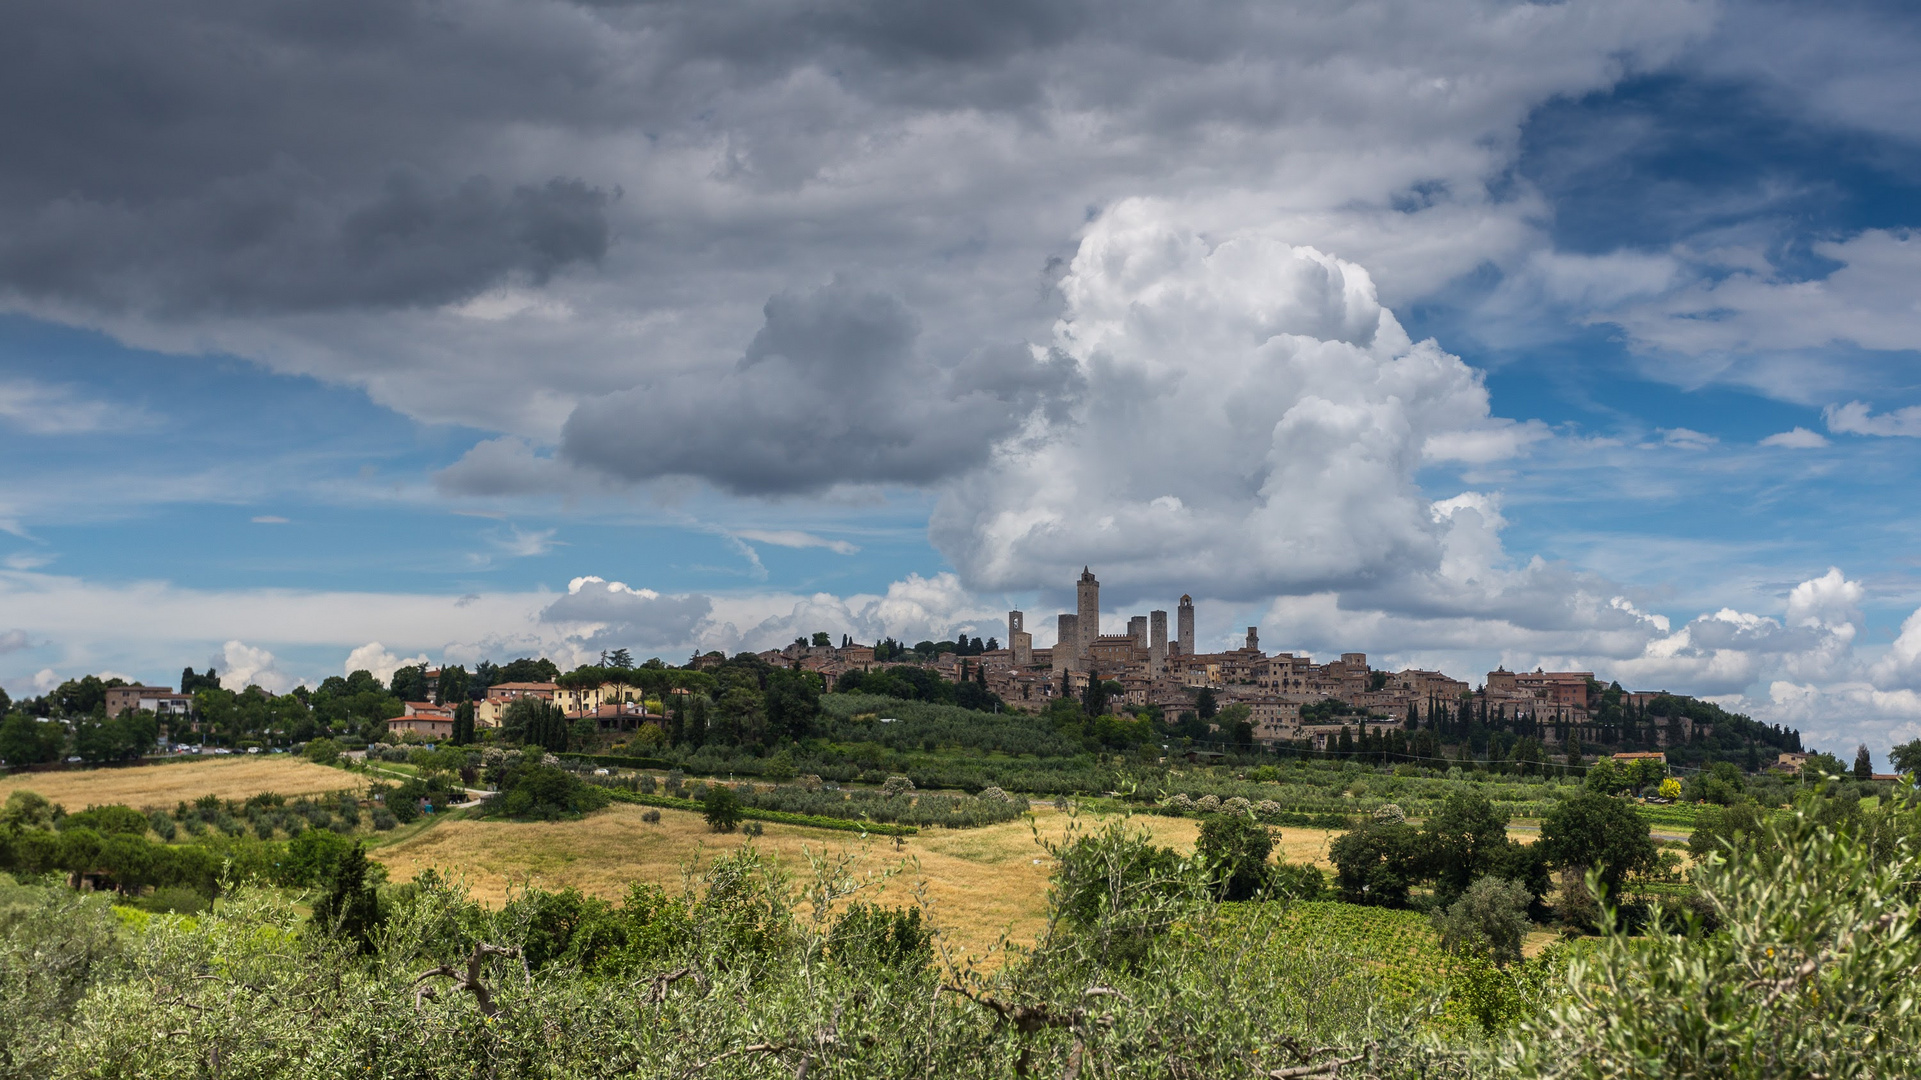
(148, 787)
(977, 883)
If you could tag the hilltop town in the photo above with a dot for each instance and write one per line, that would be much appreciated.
(1125, 692)
(1287, 698)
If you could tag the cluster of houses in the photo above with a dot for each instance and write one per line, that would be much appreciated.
(1151, 668)
(613, 706)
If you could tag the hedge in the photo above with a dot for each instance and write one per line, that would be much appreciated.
(621, 761)
(778, 817)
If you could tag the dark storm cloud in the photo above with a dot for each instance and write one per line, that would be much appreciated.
(831, 390)
(240, 157)
(298, 156)
(276, 243)
(278, 157)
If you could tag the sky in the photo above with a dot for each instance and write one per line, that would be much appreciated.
(346, 334)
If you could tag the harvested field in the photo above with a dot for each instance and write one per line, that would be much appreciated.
(978, 883)
(147, 787)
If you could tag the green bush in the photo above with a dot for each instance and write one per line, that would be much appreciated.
(1296, 881)
(1377, 863)
(1811, 974)
(721, 807)
(1490, 918)
(162, 824)
(870, 936)
(538, 792)
(1235, 850)
(1118, 892)
(323, 751)
(173, 900)
(108, 820)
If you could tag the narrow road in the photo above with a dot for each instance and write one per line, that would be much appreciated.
(1656, 833)
(474, 794)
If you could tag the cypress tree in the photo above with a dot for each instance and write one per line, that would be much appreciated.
(463, 724)
(347, 908)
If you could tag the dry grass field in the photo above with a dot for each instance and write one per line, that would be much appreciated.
(161, 786)
(978, 883)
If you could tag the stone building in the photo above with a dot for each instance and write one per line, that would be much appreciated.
(1087, 610)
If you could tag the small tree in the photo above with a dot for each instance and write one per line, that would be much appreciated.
(324, 751)
(1592, 829)
(1906, 757)
(1376, 863)
(1863, 763)
(1490, 917)
(463, 724)
(1235, 850)
(1463, 841)
(348, 908)
(721, 807)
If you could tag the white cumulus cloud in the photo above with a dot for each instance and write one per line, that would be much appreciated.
(374, 657)
(1859, 418)
(241, 665)
(1251, 424)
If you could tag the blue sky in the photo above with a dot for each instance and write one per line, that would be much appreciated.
(831, 333)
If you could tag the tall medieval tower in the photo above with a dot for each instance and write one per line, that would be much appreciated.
(1184, 620)
(1020, 643)
(1157, 642)
(1087, 611)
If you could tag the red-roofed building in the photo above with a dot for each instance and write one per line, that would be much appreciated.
(424, 718)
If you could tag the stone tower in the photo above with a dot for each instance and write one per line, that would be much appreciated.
(1184, 616)
(1020, 643)
(1137, 629)
(1067, 641)
(1253, 639)
(1157, 642)
(1087, 609)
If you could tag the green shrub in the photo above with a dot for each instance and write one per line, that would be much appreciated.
(162, 824)
(870, 936)
(721, 807)
(1811, 974)
(28, 810)
(543, 793)
(1296, 881)
(1490, 918)
(1376, 863)
(1116, 891)
(108, 821)
(173, 900)
(1235, 850)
